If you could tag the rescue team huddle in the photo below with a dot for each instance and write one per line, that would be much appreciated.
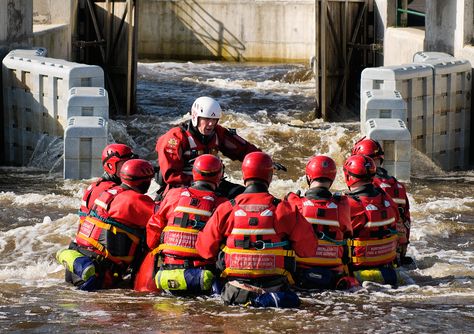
(205, 235)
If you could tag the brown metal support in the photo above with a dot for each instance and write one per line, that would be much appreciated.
(317, 110)
(344, 53)
(130, 59)
(324, 5)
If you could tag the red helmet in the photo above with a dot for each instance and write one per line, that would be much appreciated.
(320, 166)
(257, 165)
(114, 153)
(368, 147)
(359, 168)
(137, 174)
(207, 167)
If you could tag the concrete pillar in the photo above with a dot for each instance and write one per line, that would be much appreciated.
(441, 24)
(16, 22)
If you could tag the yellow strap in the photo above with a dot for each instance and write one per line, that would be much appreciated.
(175, 248)
(106, 226)
(194, 211)
(361, 243)
(180, 229)
(258, 272)
(319, 261)
(385, 257)
(280, 252)
(101, 248)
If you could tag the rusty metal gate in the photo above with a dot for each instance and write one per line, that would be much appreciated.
(106, 35)
(344, 46)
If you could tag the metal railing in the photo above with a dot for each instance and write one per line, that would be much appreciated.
(403, 12)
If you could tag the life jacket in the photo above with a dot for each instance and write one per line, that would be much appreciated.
(376, 244)
(85, 203)
(104, 235)
(178, 239)
(196, 148)
(253, 248)
(398, 194)
(323, 215)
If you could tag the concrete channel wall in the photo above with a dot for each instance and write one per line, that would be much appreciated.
(251, 30)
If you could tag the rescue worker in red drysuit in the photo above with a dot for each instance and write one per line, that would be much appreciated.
(374, 219)
(113, 157)
(172, 232)
(262, 235)
(395, 189)
(330, 217)
(112, 234)
(178, 148)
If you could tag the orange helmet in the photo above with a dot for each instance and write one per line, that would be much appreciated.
(137, 174)
(208, 167)
(113, 154)
(359, 168)
(320, 166)
(368, 147)
(257, 165)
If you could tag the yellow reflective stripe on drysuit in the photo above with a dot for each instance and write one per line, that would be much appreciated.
(193, 211)
(399, 200)
(319, 260)
(361, 243)
(380, 223)
(261, 231)
(101, 204)
(320, 221)
(173, 247)
(361, 259)
(279, 252)
(258, 272)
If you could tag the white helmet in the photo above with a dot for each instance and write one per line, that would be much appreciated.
(205, 107)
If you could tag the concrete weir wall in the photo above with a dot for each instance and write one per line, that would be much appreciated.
(237, 30)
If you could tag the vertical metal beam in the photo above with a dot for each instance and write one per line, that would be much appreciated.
(344, 52)
(324, 10)
(317, 110)
(130, 58)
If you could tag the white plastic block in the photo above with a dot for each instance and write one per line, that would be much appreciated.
(415, 84)
(84, 139)
(35, 51)
(87, 101)
(395, 138)
(452, 113)
(423, 56)
(381, 104)
(38, 86)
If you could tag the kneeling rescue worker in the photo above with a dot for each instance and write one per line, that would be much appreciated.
(113, 157)
(174, 263)
(111, 236)
(395, 189)
(374, 219)
(261, 236)
(330, 217)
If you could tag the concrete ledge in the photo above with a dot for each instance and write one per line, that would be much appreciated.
(400, 44)
(55, 38)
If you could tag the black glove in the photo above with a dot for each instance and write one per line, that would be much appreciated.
(279, 166)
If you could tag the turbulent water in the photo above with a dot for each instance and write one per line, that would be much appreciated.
(272, 106)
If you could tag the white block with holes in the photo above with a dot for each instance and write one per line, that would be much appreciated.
(395, 138)
(415, 84)
(35, 92)
(87, 101)
(452, 112)
(84, 139)
(424, 56)
(381, 104)
(35, 51)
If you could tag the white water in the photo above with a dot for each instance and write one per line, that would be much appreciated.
(38, 217)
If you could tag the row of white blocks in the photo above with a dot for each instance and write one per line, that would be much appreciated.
(54, 97)
(437, 94)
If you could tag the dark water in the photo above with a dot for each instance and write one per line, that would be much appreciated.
(270, 105)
